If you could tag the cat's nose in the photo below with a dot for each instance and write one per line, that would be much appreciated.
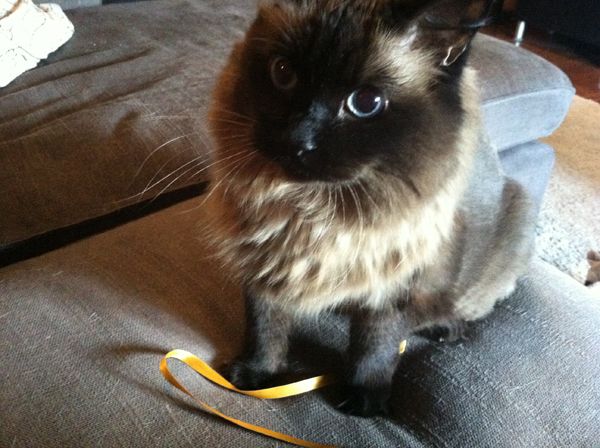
(307, 127)
(305, 148)
(303, 138)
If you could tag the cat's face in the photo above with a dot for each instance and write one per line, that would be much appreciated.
(330, 90)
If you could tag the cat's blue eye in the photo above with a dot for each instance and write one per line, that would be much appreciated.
(282, 74)
(366, 102)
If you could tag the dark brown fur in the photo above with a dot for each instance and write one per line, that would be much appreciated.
(370, 217)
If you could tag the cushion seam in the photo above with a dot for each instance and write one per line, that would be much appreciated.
(506, 98)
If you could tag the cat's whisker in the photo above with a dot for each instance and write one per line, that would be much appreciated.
(153, 152)
(226, 132)
(242, 126)
(238, 122)
(149, 156)
(234, 174)
(237, 164)
(236, 138)
(157, 173)
(361, 223)
(328, 218)
(236, 114)
(198, 172)
(376, 207)
(172, 182)
(217, 162)
(234, 148)
(201, 158)
(236, 145)
(138, 194)
(332, 210)
(226, 166)
(342, 203)
(151, 185)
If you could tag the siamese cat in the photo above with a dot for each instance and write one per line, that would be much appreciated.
(345, 134)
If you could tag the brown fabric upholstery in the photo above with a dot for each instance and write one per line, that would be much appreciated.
(114, 111)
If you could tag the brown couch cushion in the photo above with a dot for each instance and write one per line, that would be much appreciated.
(114, 117)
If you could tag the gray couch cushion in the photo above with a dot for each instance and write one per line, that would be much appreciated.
(82, 330)
(524, 96)
(116, 116)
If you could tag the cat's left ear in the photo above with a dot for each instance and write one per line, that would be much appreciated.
(446, 27)
(282, 3)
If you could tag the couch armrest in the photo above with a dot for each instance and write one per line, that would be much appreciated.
(71, 4)
(524, 97)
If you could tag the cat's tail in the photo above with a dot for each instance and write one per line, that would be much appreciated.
(506, 245)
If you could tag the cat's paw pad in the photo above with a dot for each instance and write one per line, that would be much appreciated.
(451, 332)
(365, 402)
(246, 376)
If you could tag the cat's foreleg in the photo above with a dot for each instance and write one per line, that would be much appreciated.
(265, 347)
(373, 357)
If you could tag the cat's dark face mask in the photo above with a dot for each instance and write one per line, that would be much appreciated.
(333, 91)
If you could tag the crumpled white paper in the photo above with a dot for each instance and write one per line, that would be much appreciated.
(28, 34)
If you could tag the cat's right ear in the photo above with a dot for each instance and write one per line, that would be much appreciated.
(442, 27)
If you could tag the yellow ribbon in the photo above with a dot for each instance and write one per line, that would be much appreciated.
(206, 371)
(272, 393)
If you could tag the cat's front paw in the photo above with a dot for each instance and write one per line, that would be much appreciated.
(247, 376)
(362, 401)
(448, 332)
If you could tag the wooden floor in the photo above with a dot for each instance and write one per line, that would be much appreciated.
(582, 65)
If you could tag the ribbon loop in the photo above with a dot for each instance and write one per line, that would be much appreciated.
(207, 372)
(272, 393)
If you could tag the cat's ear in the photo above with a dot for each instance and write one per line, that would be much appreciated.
(281, 3)
(592, 257)
(271, 10)
(444, 27)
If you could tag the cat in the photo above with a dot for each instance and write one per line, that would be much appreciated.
(345, 137)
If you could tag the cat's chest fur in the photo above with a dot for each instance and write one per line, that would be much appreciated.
(309, 256)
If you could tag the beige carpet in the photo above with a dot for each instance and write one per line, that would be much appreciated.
(570, 218)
